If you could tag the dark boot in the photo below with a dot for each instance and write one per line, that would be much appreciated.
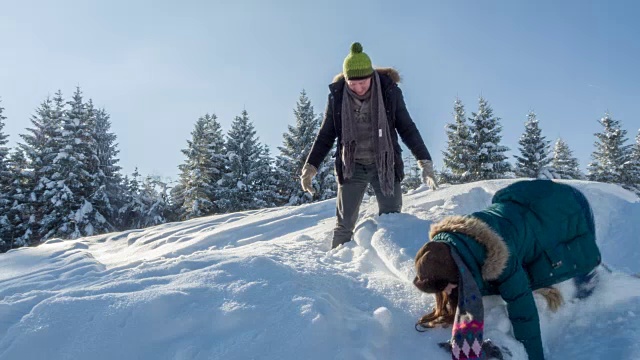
(585, 284)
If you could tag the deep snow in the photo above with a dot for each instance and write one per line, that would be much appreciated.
(265, 285)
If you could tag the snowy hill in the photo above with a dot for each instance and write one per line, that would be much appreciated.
(265, 285)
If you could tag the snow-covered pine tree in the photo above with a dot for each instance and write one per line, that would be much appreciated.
(42, 145)
(327, 185)
(74, 206)
(534, 150)
(75, 215)
(326, 178)
(176, 199)
(203, 169)
(243, 155)
(296, 145)
(411, 179)
(266, 181)
(96, 189)
(6, 228)
(108, 196)
(634, 165)
(564, 164)
(146, 202)
(20, 209)
(458, 156)
(488, 159)
(610, 154)
(154, 197)
(130, 213)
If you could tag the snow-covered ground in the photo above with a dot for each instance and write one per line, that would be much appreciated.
(265, 285)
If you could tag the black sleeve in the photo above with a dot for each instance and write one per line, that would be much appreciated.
(407, 129)
(325, 138)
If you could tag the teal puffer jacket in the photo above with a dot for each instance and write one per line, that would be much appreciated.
(534, 234)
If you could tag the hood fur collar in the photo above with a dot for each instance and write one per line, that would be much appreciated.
(390, 72)
(497, 250)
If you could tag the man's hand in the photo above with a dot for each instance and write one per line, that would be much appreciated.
(428, 175)
(308, 172)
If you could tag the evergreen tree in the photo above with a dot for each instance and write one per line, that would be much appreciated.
(176, 197)
(412, 173)
(266, 182)
(610, 154)
(42, 146)
(70, 172)
(146, 202)
(326, 178)
(97, 197)
(108, 194)
(4, 150)
(75, 215)
(243, 154)
(130, 213)
(487, 159)
(6, 230)
(327, 185)
(564, 164)
(458, 156)
(202, 170)
(154, 197)
(75, 173)
(296, 145)
(634, 165)
(534, 150)
(20, 211)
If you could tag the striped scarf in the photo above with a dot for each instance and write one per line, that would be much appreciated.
(468, 325)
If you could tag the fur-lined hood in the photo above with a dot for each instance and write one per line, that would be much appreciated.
(390, 72)
(497, 250)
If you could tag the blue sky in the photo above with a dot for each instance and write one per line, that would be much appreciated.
(156, 66)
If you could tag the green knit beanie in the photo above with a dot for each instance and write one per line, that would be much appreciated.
(357, 64)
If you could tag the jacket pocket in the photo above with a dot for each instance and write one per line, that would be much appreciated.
(551, 267)
(566, 260)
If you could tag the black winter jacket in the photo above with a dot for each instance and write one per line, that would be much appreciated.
(400, 122)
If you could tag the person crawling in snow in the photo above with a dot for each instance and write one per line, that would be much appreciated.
(535, 234)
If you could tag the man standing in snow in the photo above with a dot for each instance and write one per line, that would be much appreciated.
(366, 117)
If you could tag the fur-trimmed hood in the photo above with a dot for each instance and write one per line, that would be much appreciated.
(390, 72)
(497, 250)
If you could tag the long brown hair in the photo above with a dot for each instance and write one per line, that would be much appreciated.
(444, 310)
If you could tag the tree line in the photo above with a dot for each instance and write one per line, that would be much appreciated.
(474, 152)
(63, 180)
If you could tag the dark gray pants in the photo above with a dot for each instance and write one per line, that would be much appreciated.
(350, 195)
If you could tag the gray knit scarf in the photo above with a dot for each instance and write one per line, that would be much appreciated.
(383, 145)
